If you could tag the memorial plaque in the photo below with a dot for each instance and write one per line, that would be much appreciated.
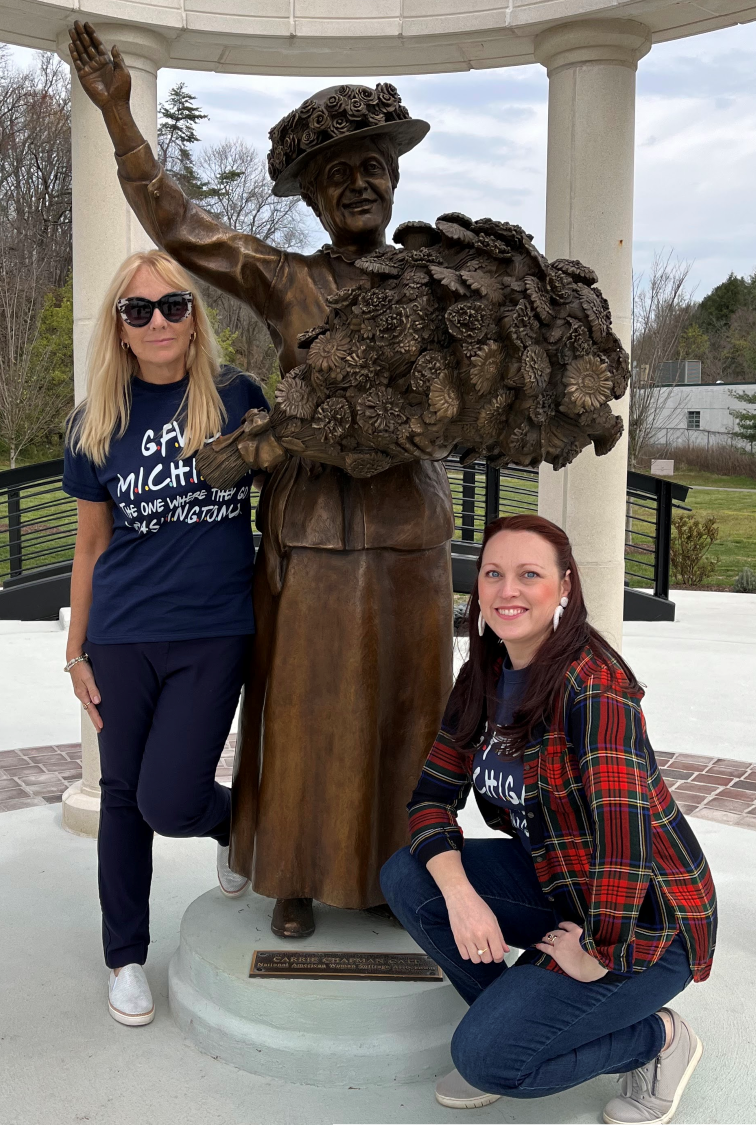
(314, 965)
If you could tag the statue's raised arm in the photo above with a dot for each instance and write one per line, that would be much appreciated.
(233, 261)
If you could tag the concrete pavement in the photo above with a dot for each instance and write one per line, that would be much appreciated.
(64, 1061)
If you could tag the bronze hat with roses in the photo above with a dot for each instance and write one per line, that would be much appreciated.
(332, 115)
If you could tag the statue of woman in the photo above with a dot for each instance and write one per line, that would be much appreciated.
(352, 660)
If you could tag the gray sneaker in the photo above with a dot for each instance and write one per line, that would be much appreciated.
(454, 1092)
(651, 1094)
(229, 882)
(129, 997)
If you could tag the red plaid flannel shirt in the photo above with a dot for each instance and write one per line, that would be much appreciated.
(611, 849)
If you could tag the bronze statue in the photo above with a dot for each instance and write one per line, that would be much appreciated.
(352, 659)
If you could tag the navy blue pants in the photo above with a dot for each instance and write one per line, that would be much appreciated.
(166, 708)
(530, 1032)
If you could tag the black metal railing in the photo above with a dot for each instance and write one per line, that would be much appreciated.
(37, 523)
(482, 493)
(648, 530)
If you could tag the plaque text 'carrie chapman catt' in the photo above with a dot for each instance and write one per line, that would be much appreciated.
(315, 965)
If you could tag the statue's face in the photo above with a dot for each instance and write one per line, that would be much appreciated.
(354, 192)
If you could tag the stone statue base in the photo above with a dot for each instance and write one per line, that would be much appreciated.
(316, 1032)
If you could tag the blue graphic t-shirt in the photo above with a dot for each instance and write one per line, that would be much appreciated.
(179, 564)
(500, 780)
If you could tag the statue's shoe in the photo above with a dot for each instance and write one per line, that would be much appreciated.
(293, 918)
(229, 882)
(129, 997)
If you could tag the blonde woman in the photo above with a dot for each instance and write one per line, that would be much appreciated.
(161, 606)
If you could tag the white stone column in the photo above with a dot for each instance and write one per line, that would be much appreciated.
(589, 215)
(105, 231)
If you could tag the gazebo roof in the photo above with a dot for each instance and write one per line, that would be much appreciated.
(325, 37)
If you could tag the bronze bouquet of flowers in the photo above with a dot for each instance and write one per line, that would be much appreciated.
(462, 337)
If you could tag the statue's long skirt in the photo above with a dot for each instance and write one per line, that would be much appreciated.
(351, 671)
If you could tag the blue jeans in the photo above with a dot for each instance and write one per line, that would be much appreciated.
(531, 1032)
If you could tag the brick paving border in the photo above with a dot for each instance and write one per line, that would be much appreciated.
(718, 789)
(40, 775)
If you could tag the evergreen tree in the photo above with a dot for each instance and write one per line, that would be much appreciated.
(54, 342)
(694, 343)
(718, 308)
(746, 419)
(177, 121)
(225, 337)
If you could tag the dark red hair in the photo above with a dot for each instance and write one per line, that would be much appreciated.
(474, 694)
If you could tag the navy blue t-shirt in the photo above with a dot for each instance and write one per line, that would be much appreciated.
(179, 564)
(501, 780)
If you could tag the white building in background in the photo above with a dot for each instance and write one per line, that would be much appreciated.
(698, 413)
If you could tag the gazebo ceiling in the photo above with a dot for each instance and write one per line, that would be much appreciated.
(325, 37)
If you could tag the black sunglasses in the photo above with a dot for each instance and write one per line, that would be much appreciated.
(137, 311)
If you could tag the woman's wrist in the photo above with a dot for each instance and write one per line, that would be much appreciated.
(459, 891)
(76, 646)
(595, 970)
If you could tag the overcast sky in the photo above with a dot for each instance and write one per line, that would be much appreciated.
(695, 174)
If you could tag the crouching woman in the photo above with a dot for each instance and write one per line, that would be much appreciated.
(161, 604)
(600, 881)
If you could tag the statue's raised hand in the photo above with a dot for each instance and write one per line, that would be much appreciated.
(105, 79)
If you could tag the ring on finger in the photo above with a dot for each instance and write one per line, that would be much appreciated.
(551, 938)
(85, 706)
(480, 952)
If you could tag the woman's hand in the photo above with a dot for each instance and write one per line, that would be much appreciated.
(105, 80)
(475, 927)
(85, 690)
(563, 944)
(473, 924)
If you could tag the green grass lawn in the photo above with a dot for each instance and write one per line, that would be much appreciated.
(711, 480)
(734, 511)
(48, 528)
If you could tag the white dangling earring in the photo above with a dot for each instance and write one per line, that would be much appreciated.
(481, 625)
(559, 611)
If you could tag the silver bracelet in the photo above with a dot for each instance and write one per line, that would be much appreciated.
(76, 660)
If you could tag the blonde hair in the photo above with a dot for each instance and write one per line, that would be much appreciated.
(106, 409)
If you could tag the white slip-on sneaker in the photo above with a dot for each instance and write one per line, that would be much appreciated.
(129, 997)
(651, 1094)
(229, 882)
(454, 1092)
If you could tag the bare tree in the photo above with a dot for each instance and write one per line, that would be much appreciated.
(237, 189)
(35, 244)
(662, 310)
(35, 163)
(31, 402)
